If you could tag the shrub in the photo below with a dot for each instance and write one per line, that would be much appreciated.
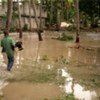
(65, 37)
(25, 28)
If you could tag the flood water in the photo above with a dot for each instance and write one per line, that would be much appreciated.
(80, 67)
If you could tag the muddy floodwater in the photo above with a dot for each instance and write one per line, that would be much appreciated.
(52, 69)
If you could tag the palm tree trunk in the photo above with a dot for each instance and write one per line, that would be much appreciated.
(40, 26)
(19, 17)
(30, 21)
(34, 11)
(36, 20)
(51, 10)
(61, 13)
(77, 21)
(23, 2)
(68, 7)
(9, 14)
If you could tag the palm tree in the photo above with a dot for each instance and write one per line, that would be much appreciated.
(19, 17)
(77, 21)
(36, 20)
(35, 16)
(40, 16)
(30, 22)
(51, 12)
(23, 4)
(9, 14)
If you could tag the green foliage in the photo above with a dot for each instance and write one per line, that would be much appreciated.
(12, 29)
(36, 76)
(45, 57)
(25, 28)
(3, 21)
(57, 11)
(63, 60)
(91, 10)
(65, 37)
(60, 81)
(71, 28)
(68, 97)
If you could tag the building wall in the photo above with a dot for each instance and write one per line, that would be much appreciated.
(25, 20)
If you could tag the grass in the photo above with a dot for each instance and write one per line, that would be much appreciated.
(45, 57)
(90, 78)
(38, 73)
(67, 97)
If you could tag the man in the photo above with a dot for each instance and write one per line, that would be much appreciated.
(8, 44)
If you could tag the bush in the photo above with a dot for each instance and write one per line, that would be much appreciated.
(65, 37)
(71, 28)
(25, 28)
(12, 29)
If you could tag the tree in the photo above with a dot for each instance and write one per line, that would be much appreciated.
(90, 8)
(77, 21)
(36, 20)
(9, 14)
(57, 11)
(19, 18)
(23, 5)
(30, 22)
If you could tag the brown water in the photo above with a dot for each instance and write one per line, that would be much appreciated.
(83, 68)
(28, 91)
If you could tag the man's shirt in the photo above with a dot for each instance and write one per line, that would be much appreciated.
(8, 44)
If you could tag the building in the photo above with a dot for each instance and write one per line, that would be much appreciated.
(25, 17)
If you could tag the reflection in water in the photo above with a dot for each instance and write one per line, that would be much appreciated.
(38, 59)
(18, 59)
(69, 53)
(2, 73)
(2, 85)
(80, 93)
(2, 64)
(49, 66)
(84, 55)
(75, 88)
(94, 36)
(97, 57)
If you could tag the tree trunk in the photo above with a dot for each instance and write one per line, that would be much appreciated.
(40, 16)
(61, 12)
(40, 26)
(51, 10)
(23, 2)
(30, 21)
(9, 14)
(36, 20)
(19, 19)
(77, 21)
